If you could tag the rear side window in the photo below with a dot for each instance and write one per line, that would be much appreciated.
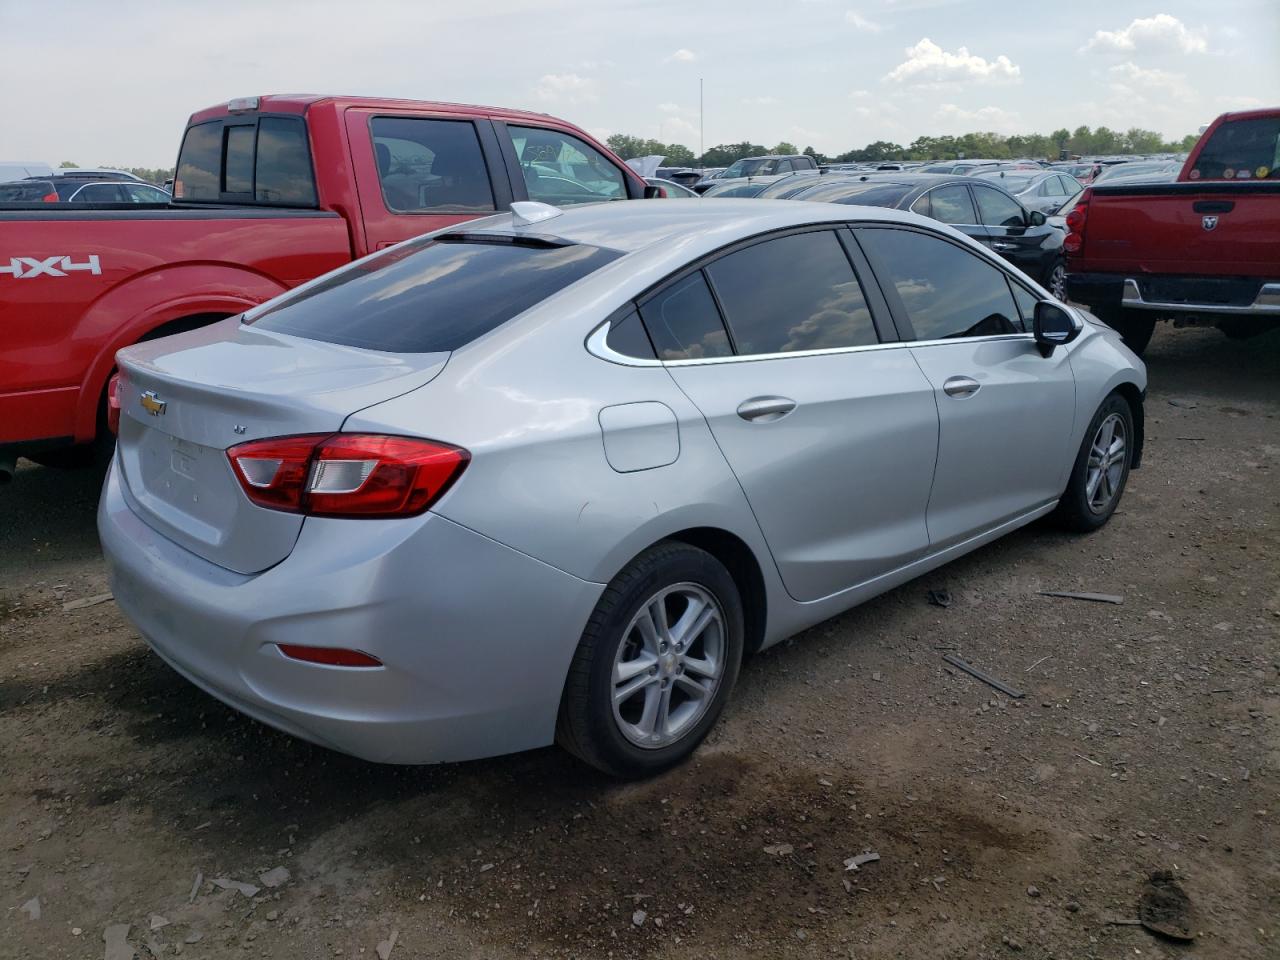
(684, 322)
(427, 166)
(947, 292)
(952, 205)
(263, 160)
(793, 293)
(430, 295)
(1241, 150)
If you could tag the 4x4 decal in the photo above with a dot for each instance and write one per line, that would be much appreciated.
(24, 268)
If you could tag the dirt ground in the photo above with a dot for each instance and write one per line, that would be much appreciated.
(1148, 740)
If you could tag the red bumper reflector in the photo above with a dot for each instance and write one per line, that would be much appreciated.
(113, 403)
(329, 656)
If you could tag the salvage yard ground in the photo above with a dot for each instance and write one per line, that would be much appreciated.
(1148, 740)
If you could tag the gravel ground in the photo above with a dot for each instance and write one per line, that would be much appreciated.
(1148, 740)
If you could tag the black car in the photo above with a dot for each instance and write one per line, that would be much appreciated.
(685, 176)
(980, 209)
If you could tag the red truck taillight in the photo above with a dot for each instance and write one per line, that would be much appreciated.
(346, 474)
(1074, 241)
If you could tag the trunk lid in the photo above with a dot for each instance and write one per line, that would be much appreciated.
(186, 399)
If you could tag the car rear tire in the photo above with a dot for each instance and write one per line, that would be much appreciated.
(1101, 469)
(1055, 278)
(655, 664)
(1135, 330)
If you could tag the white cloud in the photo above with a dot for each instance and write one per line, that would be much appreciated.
(927, 63)
(566, 88)
(682, 56)
(859, 94)
(984, 118)
(1159, 34)
(759, 101)
(1149, 79)
(670, 107)
(859, 22)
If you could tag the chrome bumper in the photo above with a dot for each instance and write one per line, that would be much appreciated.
(1265, 304)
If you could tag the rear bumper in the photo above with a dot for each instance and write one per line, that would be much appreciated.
(475, 638)
(1209, 296)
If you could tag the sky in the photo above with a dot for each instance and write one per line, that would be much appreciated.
(97, 89)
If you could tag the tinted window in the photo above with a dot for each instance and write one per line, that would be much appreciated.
(793, 293)
(735, 189)
(430, 165)
(627, 337)
(1241, 149)
(947, 292)
(684, 322)
(429, 295)
(33, 191)
(560, 169)
(952, 204)
(238, 159)
(998, 210)
(198, 176)
(100, 193)
(871, 194)
(1026, 304)
(783, 166)
(144, 193)
(284, 163)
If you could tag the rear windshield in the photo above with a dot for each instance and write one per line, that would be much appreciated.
(1241, 150)
(870, 194)
(246, 159)
(25, 191)
(430, 295)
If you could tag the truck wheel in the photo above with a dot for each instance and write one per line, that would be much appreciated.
(1101, 468)
(1136, 330)
(655, 663)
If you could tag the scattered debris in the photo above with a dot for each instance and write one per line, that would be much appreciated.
(158, 921)
(1165, 908)
(638, 918)
(116, 938)
(1036, 664)
(877, 677)
(779, 849)
(31, 908)
(195, 886)
(86, 602)
(273, 878)
(195, 936)
(1087, 760)
(485, 868)
(853, 863)
(384, 947)
(986, 678)
(940, 598)
(1180, 402)
(248, 889)
(1033, 891)
(1073, 595)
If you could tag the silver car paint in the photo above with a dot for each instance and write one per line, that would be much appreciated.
(541, 519)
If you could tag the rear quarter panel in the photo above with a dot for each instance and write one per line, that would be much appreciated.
(59, 334)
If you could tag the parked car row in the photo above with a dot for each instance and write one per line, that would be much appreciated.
(82, 185)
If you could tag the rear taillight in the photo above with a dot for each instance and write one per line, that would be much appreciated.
(113, 404)
(346, 474)
(49, 198)
(1074, 241)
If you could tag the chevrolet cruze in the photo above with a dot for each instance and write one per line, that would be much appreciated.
(550, 476)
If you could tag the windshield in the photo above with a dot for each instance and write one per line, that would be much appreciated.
(743, 168)
(1014, 184)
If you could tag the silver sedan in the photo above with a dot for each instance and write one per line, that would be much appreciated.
(553, 475)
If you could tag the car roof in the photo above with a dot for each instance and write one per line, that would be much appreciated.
(300, 103)
(632, 225)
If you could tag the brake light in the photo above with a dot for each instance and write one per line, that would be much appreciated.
(346, 474)
(1076, 218)
(113, 404)
(49, 198)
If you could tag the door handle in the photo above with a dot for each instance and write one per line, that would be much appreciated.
(961, 387)
(765, 409)
(1002, 245)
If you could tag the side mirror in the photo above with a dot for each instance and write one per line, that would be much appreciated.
(1037, 218)
(1053, 325)
(652, 192)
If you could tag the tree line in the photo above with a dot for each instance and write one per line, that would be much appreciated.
(1083, 141)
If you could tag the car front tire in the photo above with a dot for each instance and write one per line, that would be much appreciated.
(655, 664)
(1101, 470)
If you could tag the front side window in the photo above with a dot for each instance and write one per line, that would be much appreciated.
(684, 322)
(1241, 150)
(144, 193)
(793, 293)
(952, 205)
(429, 295)
(427, 166)
(100, 193)
(946, 291)
(560, 169)
(998, 209)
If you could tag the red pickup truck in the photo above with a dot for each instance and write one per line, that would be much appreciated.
(269, 192)
(1202, 250)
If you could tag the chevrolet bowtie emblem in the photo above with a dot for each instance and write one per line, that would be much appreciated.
(152, 404)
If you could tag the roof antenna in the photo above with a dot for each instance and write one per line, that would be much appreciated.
(525, 213)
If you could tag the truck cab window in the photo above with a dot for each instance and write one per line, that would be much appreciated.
(430, 166)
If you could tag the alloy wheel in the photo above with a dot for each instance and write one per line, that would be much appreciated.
(1107, 458)
(669, 665)
(1058, 281)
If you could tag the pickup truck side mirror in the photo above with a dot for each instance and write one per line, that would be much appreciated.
(1053, 325)
(1037, 218)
